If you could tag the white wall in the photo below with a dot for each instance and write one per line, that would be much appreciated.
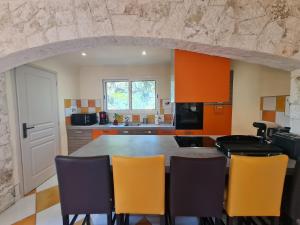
(252, 81)
(91, 86)
(68, 88)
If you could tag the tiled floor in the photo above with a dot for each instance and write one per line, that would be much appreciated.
(41, 207)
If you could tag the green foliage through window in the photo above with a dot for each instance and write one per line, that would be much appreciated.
(117, 95)
(141, 94)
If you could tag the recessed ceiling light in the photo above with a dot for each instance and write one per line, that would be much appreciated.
(83, 53)
(144, 52)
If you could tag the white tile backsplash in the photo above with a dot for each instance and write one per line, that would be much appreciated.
(98, 103)
(84, 103)
(269, 103)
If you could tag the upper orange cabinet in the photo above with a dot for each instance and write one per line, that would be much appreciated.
(201, 78)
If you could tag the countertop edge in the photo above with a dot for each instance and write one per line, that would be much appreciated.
(112, 127)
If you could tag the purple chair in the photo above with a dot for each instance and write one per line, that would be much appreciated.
(85, 187)
(197, 188)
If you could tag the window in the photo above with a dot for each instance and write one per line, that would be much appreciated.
(117, 93)
(143, 94)
(130, 95)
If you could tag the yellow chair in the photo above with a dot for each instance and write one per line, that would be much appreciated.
(139, 186)
(255, 186)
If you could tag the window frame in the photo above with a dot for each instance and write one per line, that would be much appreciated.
(130, 110)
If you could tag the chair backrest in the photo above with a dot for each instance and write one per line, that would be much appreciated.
(256, 185)
(85, 184)
(291, 204)
(197, 186)
(139, 184)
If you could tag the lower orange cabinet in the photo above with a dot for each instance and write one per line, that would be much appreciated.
(97, 133)
(189, 132)
(166, 132)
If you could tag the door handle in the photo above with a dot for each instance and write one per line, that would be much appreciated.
(25, 128)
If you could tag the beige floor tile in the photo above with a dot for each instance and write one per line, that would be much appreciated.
(47, 198)
(79, 222)
(27, 221)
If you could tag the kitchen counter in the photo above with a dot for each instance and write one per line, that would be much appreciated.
(147, 145)
(123, 127)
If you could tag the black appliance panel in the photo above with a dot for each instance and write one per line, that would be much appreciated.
(83, 119)
(194, 141)
(189, 116)
(246, 145)
(289, 142)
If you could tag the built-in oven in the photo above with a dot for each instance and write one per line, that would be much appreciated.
(189, 116)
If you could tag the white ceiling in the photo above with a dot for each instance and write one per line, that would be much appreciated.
(117, 55)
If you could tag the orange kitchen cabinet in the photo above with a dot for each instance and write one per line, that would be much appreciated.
(201, 78)
(166, 132)
(189, 132)
(217, 119)
(98, 133)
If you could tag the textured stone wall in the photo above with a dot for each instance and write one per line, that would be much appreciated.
(295, 101)
(263, 31)
(7, 191)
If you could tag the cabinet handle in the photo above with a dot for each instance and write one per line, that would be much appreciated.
(78, 132)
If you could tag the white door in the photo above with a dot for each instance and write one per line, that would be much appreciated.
(38, 120)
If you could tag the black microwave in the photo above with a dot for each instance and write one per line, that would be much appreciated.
(189, 116)
(83, 119)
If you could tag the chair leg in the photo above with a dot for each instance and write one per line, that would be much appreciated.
(275, 221)
(88, 219)
(66, 220)
(114, 218)
(218, 221)
(162, 220)
(240, 220)
(119, 219)
(229, 220)
(126, 222)
(201, 221)
(109, 219)
(172, 220)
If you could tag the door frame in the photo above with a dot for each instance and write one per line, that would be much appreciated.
(17, 129)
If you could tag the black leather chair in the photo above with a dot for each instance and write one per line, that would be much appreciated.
(85, 187)
(291, 198)
(197, 188)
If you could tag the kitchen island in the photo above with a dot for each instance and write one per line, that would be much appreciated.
(148, 145)
(79, 136)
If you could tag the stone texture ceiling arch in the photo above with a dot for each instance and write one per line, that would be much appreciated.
(261, 31)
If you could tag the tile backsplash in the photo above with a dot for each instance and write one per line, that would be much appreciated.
(275, 109)
(94, 106)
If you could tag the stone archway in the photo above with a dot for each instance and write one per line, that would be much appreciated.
(261, 31)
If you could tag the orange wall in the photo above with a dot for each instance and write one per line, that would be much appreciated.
(201, 78)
